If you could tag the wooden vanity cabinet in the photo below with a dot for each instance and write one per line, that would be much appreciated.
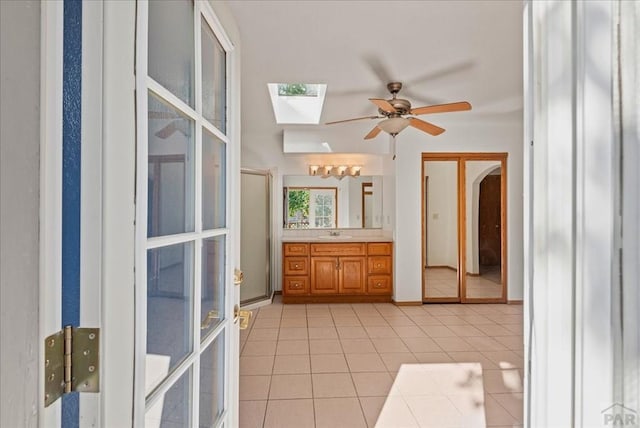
(337, 272)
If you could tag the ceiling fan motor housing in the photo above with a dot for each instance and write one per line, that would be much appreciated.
(402, 107)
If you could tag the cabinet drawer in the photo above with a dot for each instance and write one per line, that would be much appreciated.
(380, 264)
(296, 285)
(379, 248)
(379, 284)
(343, 249)
(296, 266)
(296, 249)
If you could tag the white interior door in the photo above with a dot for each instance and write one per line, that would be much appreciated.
(185, 334)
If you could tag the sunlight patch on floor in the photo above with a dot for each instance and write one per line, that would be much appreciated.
(439, 395)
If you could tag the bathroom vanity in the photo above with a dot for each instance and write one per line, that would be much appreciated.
(343, 270)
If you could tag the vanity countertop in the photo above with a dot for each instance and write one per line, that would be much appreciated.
(329, 240)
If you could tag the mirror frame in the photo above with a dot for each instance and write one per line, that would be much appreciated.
(462, 158)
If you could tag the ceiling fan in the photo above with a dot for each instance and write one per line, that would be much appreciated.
(397, 114)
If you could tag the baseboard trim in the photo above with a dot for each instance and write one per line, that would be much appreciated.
(442, 267)
(408, 303)
(514, 302)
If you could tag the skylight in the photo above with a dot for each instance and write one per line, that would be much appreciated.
(297, 103)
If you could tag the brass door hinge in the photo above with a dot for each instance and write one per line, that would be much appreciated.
(71, 362)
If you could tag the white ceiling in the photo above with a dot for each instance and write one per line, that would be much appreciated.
(443, 51)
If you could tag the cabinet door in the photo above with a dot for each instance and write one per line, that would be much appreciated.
(352, 272)
(295, 285)
(324, 275)
(296, 266)
(379, 248)
(296, 249)
(380, 265)
(379, 284)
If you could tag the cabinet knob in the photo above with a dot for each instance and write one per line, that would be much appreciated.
(297, 266)
(378, 265)
(378, 285)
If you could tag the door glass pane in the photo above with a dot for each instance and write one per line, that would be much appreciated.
(212, 382)
(213, 79)
(213, 181)
(484, 229)
(441, 229)
(172, 410)
(169, 310)
(171, 47)
(171, 170)
(255, 236)
(213, 281)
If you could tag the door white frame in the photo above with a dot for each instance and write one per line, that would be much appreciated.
(107, 199)
(50, 190)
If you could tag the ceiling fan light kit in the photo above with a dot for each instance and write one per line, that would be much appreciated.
(394, 125)
(397, 114)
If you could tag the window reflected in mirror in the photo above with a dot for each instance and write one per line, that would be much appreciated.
(311, 208)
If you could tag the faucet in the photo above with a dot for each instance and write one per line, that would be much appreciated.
(334, 233)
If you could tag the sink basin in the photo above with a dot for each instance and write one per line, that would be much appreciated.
(334, 237)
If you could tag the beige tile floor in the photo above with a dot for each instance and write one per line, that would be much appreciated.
(443, 282)
(366, 365)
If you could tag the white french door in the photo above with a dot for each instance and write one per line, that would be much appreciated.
(185, 358)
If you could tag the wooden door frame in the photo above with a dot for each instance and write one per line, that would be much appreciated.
(461, 158)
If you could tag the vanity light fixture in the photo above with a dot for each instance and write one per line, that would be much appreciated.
(339, 172)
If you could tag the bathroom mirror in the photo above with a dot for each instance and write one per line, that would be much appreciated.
(326, 203)
(440, 228)
(464, 235)
(483, 212)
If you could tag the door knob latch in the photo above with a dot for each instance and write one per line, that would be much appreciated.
(243, 315)
(211, 316)
(238, 277)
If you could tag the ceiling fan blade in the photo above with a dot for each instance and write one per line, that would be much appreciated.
(412, 95)
(444, 71)
(176, 125)
(373, 133)
(427, 127)
(162, 115)
(378, 68)
(167, 131)
(383, 105)
(351, 120)
(442, 108)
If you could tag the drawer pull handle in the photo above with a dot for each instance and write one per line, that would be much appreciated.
(297, 266)
(295, 285)
(379, 285)
(378, 265)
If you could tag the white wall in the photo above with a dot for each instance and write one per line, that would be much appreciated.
(19, 218)
(442, 215)
(485, 136)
